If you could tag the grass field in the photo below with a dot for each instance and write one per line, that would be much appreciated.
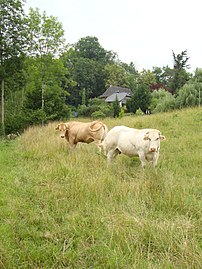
(62, 209)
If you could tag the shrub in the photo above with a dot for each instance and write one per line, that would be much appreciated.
(98, 115)
(162, 101)
(95, 105)
(121, 113)
(139, 112)
(187, 96)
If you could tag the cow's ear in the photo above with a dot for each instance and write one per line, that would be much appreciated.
(162, 137)
(57, 127)
(146, 136)
(67, 125)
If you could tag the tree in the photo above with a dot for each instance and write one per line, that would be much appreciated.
(132, 74)
(162, 101)
(96, 108)
(90, 48)
(180, 76)
(141, 98)
(85, 62)
(187, 96)
(161, 79)
(13, 37)
(55, 96)
(180, 60)
(115, 76)
(190, 94)
(116, 108)
(197, 80)
(89, 75)
(47, 42)
(146, 77)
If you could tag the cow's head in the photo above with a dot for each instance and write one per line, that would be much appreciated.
(154, 137)
(62, 127)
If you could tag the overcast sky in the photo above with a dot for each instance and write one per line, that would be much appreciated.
(140, 31)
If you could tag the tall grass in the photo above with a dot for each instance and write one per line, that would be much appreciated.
(62, 209)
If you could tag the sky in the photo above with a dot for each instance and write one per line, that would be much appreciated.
(144, 32)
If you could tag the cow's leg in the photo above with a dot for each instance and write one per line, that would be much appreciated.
(72, 146)
(155, 159)
(142, 159)
(111, 155)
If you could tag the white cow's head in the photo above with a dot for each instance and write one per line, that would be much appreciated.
(154, 137)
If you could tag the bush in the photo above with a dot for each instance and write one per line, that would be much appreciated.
(139, 112)
(121, 113)
(98, 115)
(162, 101)
(83, 111)
(188, 96)
(95, 105)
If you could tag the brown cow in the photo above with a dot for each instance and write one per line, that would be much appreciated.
(86, 132)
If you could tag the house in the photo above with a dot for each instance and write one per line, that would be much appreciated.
(119, 93)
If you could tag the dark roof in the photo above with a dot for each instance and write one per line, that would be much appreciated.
(120, 96)
(115, 89)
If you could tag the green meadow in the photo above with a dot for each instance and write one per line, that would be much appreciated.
(62, 209)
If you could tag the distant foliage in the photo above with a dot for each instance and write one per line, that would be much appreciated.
(98, 115)
(141, 98)
(116, 108)
(139, 112)
(188, 96)
(121, 113)
(96, 108)
(49, 79)
(162, 101)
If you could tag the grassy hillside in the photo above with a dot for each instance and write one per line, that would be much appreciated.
(61, 209)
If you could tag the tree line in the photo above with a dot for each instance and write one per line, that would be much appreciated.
(44, 78)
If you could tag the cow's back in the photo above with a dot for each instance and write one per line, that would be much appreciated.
(86, 132)
(116, 136)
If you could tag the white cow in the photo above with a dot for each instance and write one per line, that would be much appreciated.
(129, 141)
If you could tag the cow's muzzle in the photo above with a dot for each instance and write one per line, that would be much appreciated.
(152, 150)
(62, 136)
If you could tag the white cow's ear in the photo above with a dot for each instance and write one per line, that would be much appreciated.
(146, 136)
(162, 137)
(57, 127)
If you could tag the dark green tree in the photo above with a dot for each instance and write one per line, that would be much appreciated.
(132, 74)
(141, 98)
(115, 75)
(46, 42)
(116, 108)
(180, 75)
(13, 40)
(54, 95)
(85, 62)
(89, 47)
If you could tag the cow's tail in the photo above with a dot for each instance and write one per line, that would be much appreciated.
(105, 131)
(97, 129)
